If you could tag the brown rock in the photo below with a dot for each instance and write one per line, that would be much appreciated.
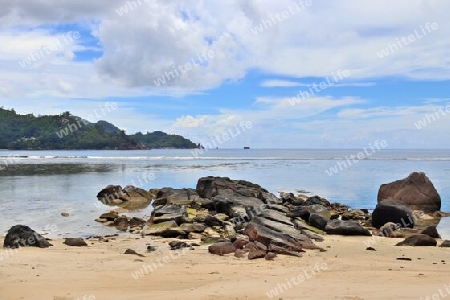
(416, 191)
(121, 223)
(431, 231)
(75, 242)
(270, 255)
(256, 253)
(240, 253)
(418, 240)
(222, 248)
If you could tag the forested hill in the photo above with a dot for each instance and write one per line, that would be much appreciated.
(65, 131)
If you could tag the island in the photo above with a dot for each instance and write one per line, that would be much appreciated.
(69, 132)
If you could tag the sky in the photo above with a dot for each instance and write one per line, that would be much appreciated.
(301, 74)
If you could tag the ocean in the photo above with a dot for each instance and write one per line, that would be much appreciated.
(37, 186)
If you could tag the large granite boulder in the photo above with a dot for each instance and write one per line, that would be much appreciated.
(23, 236)
(392, 211)
(346, 228)
(418, 240)
(416, 191)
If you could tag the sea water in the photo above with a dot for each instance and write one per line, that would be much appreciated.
(36, 186)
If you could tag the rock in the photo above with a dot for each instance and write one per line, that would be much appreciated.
(222, 248)
(176, 245)
(196, 227)
(392, 211)
(179, 219)
(370, 249)
(318, 221)
(183, 197)
(110, 193)
(418, 240)
(150, 248)
(100, 220)
(23, 236)
(432, 232)
(445, 243)
(388, 229)
(416, 191)
(130, 197)
(289, 198)
(170, 209)
(239, 253)
(299, 212)
(75, 242)
(316, 200)
(166, 213)
(222, 217)
(211, 232)
(65, 214)
(173, 232)
(157, 229)
(240, 243)
(212, 221)
(270, 255)
(269, 232)
(355, 214)
(212, 239)
(210, 187)
(132, 252)
(229, 230)
(345, 228)
(195, 236)
(256, 253)
(121, 223)
(136, 222)
(109, 216)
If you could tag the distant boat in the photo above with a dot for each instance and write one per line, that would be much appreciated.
(246, 148)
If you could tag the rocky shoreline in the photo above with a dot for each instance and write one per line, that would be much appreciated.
(242, 218)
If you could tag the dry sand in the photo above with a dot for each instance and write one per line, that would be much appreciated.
(102, 271)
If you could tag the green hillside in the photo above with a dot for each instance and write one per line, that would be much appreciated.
(66, 131)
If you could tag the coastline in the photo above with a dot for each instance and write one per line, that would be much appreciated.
(101, 270)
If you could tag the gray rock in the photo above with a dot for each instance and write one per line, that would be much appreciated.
(318, 221)
(345, 228)
(23, 236)
(445, 243)
(392, 211)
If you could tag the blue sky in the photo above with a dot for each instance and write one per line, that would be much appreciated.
(252, 75)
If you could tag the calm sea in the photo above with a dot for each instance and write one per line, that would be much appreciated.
(38, 185)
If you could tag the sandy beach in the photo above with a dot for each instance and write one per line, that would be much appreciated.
(345, 271)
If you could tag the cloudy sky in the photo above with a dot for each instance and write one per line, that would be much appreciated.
(306, 74)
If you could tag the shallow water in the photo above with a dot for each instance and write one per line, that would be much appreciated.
(36, 186)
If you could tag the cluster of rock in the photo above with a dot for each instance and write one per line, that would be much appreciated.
(241, 217)
(409, 208)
